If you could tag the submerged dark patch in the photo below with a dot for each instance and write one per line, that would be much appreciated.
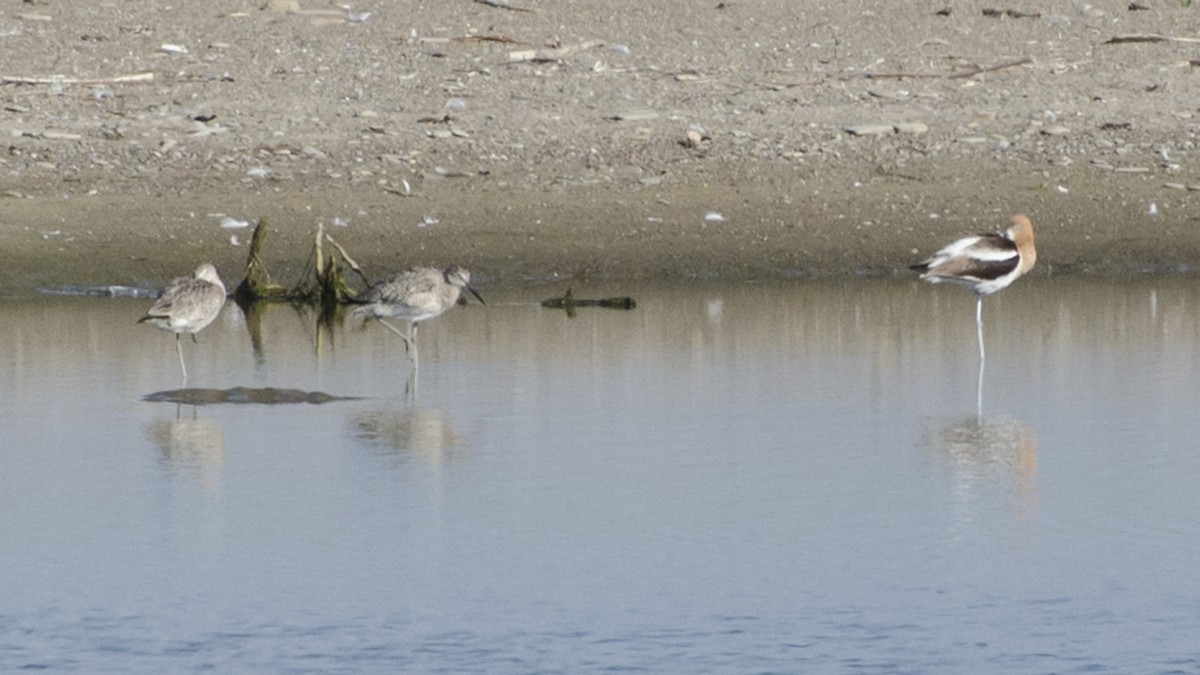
(266, 395)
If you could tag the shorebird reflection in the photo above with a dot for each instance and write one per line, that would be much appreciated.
(421, 432)
(982, 450)
(192, 442)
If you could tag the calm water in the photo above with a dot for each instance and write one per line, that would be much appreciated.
(757, 478)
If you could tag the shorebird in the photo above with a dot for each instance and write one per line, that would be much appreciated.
(985, 263)
(187, 305)
(413, 295)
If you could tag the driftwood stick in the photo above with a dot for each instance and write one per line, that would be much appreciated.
(319, 264)
(1123, 39)
(987, 69)
(256, 282)
(503, 39)
(896, 76)
(120, 79)
(349, 261)
(949, 76)
(551, 53)
(1012, 13)
(501, 4)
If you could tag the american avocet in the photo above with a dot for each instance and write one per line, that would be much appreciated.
(985, 263)
(187, 305)
(414, 295)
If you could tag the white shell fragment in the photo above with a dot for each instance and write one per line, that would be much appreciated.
(172, 48)
(914, 128)
(282, 6)
(230, 223)
(696, 135)
(714, 217)
(635, 116)
(869, 129)
(522, 55)
(259, 172)
(52, 135)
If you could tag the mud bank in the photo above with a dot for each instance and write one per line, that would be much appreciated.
(754, 139)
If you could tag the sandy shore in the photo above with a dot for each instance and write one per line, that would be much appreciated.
(592, 140)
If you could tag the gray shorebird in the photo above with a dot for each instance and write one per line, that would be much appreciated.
(985, 263)
(187, 305)
(413, 295)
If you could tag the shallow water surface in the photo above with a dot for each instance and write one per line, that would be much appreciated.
(752, 478)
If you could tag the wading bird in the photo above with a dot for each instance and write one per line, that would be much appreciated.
(985, 263)
(187, 305)
(413, 295)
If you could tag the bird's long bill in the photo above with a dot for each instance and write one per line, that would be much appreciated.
(476, 294)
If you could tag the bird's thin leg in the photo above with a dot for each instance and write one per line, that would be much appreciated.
(410, 387)
(412, 342)
(979, 323)
(179, 350)
(397, 332)
(979, 394)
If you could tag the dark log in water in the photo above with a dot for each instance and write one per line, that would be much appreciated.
(570, 303)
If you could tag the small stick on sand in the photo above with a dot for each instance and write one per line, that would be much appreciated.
(950, 76)
(1123, 39)
(551, 53)
(503, 39)
(501, 4)
(976, 71)
(120, 79)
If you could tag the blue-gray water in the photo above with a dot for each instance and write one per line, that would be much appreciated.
(751, 478)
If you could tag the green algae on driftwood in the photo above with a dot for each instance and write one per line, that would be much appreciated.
(256, 281)
(326, 288)
(322, 285)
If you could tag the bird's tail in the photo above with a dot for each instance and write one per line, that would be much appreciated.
(359, 309)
